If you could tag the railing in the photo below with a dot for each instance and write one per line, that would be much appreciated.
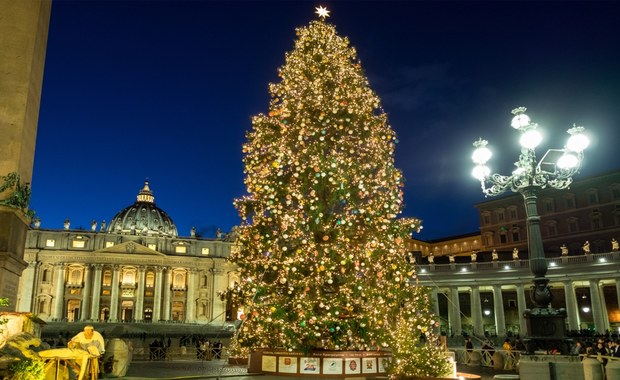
(179, 353)
(518, 264)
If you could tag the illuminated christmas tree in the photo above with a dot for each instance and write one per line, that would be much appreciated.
(323, 263)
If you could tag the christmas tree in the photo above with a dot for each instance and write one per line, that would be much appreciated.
(323, 263)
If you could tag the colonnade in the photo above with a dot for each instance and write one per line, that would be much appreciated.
(90, 295)
(597, 304)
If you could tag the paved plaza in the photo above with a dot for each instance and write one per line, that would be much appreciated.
(215, 369)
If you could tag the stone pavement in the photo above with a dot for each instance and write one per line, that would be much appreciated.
(216, 369)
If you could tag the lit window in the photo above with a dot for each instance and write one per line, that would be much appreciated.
(78, 243)
(50, 242)
(205, 250)
(109, 244)
(152, 246)
(180, 249)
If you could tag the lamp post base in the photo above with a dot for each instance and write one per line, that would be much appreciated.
(547, 330)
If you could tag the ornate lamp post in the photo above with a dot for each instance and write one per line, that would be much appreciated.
(545, 325)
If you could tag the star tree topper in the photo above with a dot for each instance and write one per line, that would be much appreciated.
(322, 12)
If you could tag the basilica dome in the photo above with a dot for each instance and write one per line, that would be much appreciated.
(143, 218)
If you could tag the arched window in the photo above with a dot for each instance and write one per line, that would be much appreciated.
(150, 279)
(179, 280)
(107, 278)
(129, 277)
(75, 277)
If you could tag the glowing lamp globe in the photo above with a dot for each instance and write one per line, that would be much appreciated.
(520, 120)
(578, 141)
(481, 155)
(481, 172)
(568, 161)
(530, 139)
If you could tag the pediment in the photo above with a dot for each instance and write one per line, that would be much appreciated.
(130, 248)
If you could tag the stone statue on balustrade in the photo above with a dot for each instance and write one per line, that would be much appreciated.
(564, 250)
(494, 255)
(474, 257)
(586, 247)
(431, 259)
(614, 245)
(515, 254)
(451, 258)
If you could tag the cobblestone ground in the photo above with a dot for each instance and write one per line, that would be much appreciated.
(192, 369)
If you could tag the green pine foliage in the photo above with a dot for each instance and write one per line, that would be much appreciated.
(323, 262)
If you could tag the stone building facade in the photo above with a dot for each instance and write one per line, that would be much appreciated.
(136, 269)
(481, 281)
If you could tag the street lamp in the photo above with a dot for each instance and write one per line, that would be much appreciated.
(554, 170)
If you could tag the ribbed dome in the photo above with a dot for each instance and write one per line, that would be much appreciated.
(143, 218)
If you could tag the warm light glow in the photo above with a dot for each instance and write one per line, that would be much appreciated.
(487, 312)
(568, 161)
(323, 262)
(480, 172)
(585, 309)
(530, 138)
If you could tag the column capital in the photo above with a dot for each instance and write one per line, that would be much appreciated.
(98, 266)
(33, 264)
(141, 268)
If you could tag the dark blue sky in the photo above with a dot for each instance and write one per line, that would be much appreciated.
(165, 90)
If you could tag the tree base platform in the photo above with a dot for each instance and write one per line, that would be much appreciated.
(320, 364)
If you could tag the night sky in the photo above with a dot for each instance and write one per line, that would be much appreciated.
(165, 91)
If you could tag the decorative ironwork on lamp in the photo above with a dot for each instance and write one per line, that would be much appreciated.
(554, 170)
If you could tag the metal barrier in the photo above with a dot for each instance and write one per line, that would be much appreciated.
(484, 358)
(179, 353)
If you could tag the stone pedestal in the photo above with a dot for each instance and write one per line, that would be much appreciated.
(13, 228)
(547, 331)
(548, 367)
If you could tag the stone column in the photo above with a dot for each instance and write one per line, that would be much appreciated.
(85, 307)
(167, 294)
(94, 309)
(139, 315)
(219, 284)
(454, 308)
(157, 295)
(597, 312)
(114, 299)
(572, 310)
(521, 306)
(435, 301)
(603, 306)
(27, 287)
(498, 303)
(190, 302)
(24, 27)
(476, 311)
(59, 294)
